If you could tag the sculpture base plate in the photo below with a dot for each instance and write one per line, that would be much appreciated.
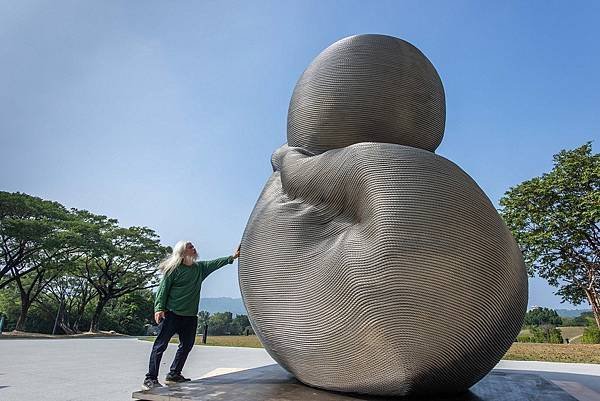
(273, 383)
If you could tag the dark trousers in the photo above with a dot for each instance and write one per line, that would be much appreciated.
(185, 327)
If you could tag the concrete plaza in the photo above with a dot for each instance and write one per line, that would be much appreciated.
(101, 369)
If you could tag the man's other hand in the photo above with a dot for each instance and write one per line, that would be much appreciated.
(158, 316)
(237, 252)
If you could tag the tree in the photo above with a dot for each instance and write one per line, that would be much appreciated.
(587, 318)
(546, 334)
(123, 261)
(33, 231)
(38, 320)
(203, 320)
(38, 238)
(542, 316)
(67, 297)
(577, 321)
(70, 258)
(220, 323)
(9, 305)
(240, 325)
(130, 313)
(591, 335)
(555, 219)
(30, 287)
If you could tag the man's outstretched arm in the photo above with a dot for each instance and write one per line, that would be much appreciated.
(212, 265)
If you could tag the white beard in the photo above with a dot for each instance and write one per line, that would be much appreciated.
(189, 259)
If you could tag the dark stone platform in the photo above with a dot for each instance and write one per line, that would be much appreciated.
(273, 383)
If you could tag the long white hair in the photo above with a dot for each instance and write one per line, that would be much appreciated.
(175, 259)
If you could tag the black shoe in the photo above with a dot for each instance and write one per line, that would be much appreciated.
(176, 378)
(149, 384)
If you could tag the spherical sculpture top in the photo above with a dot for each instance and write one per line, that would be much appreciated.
(367, 88)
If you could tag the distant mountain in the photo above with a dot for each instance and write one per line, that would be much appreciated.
(223, 304)
(571, 312)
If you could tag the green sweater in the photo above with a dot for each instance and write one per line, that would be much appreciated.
(179, 292)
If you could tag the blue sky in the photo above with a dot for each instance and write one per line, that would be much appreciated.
(165, 114)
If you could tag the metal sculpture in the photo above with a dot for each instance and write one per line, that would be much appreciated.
(370, 264)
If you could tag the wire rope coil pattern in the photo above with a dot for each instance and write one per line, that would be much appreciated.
(379, 268)
(367, 88)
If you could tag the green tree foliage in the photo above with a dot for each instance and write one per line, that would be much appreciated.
(124, 260)
(34, 232)
(203, 320)
(66, 266)
(41, 316)
(240, 325)
(68, 297)
(127, 315)
(130, 314)
(588, 317)
(38, 239)
(591, 335)
(30, 286)
(547, 334)
(9, 306)
(542, 334)
(555, 219)
(223, 323)
(584, 319)
(542, 316)
(220, 323)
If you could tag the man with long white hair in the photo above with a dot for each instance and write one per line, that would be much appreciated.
(176, 307)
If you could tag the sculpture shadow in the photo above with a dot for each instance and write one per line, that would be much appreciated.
(273, 383)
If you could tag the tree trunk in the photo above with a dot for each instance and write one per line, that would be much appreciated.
(86, 298)
(96, 317)
(28, 296)
(63, 320)
(594, 300)
(75, 326)
(25, 304)
(65, 327)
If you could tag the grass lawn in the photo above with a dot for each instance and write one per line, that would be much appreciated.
(224, 341)
(572, 333)
(582, 353)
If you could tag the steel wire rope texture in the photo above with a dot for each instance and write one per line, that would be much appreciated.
(369, 263)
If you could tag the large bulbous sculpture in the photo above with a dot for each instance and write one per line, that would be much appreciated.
(369, 263)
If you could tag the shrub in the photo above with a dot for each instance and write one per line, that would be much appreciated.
(542, 334)
(591, 335)
(542, 316)
(580, 321)
(525, 339)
